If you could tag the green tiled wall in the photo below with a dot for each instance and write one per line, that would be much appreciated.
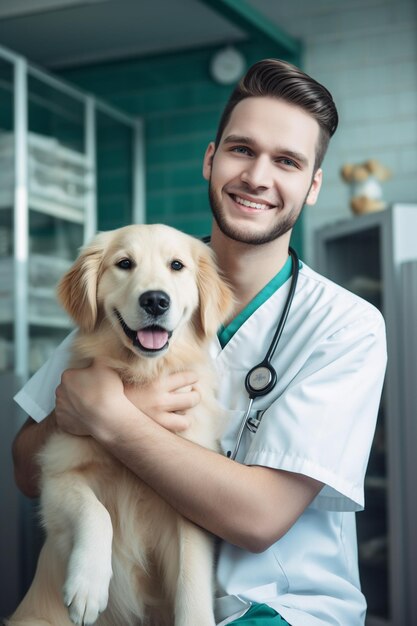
(114, 173)
(181, 106)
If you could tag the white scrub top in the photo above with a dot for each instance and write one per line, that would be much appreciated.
(319, 421)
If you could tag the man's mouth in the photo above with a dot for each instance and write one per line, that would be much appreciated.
(151, 339)
(251, 204)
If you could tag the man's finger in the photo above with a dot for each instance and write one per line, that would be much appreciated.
(181, 379)
(182, 401)
(174, 422)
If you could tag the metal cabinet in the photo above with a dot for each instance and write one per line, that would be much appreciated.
(370, 255)
(52, 138)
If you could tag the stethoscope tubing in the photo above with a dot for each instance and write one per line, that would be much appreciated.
(287, 306)
(264, 371)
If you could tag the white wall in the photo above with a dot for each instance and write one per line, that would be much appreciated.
(365, 53)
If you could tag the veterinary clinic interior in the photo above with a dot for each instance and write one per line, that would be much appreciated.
(106, 108)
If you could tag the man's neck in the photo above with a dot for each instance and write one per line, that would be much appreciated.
(248, 268)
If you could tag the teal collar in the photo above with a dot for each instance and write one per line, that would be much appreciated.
(226, 332)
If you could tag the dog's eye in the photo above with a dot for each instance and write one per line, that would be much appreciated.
(176, 265)
(125, 264)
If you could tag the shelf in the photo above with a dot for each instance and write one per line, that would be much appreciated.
(47, 149)
(50, 322)
(59, 180)
(48, 207)
(38, 320)
(377, 621)
(374, 552)
(376, 482)
(43, 272)
(364, 286)
(43, 308)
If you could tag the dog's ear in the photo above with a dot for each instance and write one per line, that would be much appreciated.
(77, 289)
(216, 299)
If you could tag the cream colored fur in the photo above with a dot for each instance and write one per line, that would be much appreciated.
(115, 552)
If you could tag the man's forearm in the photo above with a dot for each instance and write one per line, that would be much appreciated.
(28, 442)
(235, 502)
(251, 507)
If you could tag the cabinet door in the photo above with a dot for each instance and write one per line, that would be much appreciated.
(353, 260)
(409, 346)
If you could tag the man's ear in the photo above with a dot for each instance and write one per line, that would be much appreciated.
(208, 160)
(315, 187)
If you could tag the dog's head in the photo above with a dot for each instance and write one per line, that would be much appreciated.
(149, 282)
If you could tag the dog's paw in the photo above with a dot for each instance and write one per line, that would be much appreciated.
(86, 590)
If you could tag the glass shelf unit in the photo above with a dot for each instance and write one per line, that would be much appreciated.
(366, 255)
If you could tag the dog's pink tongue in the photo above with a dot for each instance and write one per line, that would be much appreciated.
(152, 339)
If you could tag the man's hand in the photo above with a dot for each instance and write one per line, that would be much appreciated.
(88, 399)
(167, 399)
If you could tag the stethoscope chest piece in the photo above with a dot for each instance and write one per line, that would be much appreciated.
(260, 380)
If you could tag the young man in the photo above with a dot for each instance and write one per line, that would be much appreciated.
(285, 510)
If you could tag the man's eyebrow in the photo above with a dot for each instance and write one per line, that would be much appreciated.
(297, 156)
(239, 139)
(248, 141)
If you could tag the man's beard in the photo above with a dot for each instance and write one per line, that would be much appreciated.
(243, 236)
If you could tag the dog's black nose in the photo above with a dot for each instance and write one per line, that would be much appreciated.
(155, 302)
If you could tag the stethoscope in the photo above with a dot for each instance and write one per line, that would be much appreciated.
(262, 378)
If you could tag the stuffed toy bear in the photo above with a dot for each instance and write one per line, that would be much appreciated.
(365, 181)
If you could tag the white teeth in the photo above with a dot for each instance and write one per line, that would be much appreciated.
(252, 205)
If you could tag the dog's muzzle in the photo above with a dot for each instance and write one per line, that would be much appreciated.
(151, 339)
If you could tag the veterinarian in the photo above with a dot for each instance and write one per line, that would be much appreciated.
(285, 511)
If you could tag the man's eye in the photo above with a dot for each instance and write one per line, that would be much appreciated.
(125, 264)
(176, 265)
(240, 150)
(288, 162)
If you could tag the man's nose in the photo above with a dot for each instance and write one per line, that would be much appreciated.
(258, 173)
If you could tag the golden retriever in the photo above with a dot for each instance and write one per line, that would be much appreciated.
(148, 299)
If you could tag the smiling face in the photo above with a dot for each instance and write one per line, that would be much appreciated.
(261, 174)
(145, 288)
(148, 287)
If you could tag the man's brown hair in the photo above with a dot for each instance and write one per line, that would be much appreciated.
(281, 80)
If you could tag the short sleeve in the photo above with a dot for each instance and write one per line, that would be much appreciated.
(323, 424)
(37, 397)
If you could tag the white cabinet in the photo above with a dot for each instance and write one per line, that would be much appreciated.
(47, 208)
(374, 255)
(52, 137)
(60, 213)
